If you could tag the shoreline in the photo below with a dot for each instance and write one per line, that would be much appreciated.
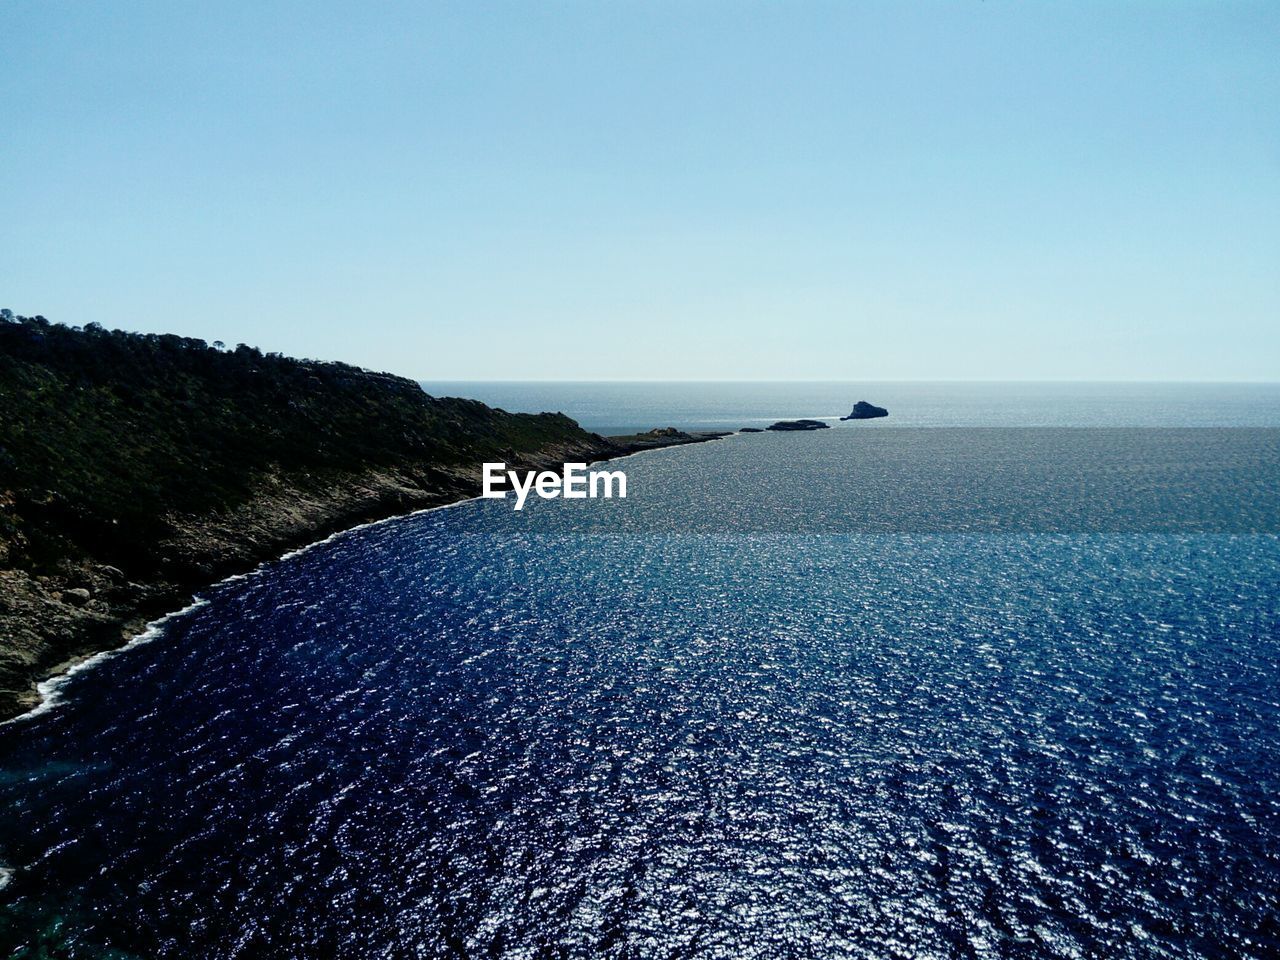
(142, 628)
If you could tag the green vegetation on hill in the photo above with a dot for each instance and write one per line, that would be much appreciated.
(137, 467)
(108, 438)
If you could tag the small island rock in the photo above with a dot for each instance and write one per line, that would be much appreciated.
(799, 425)
(866, 411)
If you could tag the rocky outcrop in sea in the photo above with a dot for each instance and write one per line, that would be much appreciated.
(786, 425)
(866, 411)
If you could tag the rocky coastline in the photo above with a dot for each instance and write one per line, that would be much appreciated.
(49, 623)
(136, 470)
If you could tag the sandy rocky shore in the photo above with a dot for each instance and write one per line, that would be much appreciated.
(49, 623)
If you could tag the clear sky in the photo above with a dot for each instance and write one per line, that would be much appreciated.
(657, 190)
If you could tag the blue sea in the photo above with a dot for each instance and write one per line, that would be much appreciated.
(995, 677)
(620, 408)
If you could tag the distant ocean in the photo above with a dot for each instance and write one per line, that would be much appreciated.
(1002, 690)
(627, 407)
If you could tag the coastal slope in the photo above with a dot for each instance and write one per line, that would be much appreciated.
(136, 468)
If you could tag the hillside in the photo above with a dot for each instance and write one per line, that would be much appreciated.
(135, 468)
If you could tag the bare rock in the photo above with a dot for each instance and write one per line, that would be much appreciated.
(866, 411)
(76, 596)
(785, 425)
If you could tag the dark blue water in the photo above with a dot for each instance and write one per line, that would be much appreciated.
(905, 710)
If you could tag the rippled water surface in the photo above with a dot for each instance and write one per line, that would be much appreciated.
(479, 733)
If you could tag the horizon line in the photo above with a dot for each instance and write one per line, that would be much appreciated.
(564, 380)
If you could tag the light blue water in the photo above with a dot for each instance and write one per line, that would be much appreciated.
(895, 693)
